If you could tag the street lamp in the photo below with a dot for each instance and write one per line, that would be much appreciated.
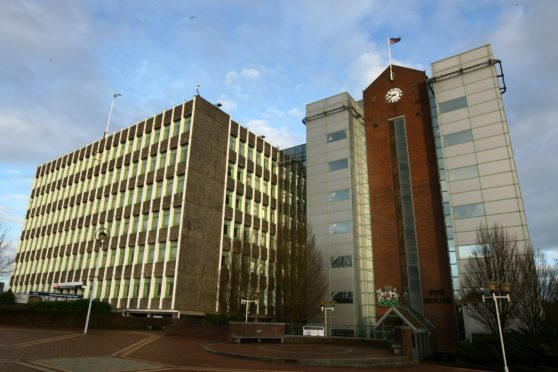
(506, 288)
(245, 301)
(325, 306)
(101, 235)
(110, 113)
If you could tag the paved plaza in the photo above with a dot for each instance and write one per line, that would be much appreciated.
(26, 349)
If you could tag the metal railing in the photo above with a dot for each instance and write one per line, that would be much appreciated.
(348, 331)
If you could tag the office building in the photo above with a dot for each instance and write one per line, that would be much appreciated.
(439, 164)
(190, 200)
(474, 153)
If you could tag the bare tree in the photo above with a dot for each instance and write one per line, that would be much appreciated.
(300, 277)
(496, 258)
(540, 281)
(6, 257)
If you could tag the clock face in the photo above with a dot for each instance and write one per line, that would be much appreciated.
(393, 95)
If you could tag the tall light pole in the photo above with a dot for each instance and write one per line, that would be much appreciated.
(101, 235)
(247, 302)
(506, 288)
(325, 306)
(110, 113)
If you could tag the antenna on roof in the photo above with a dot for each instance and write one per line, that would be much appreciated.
(198, 89)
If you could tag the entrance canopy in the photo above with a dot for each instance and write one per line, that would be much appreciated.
(402, 315)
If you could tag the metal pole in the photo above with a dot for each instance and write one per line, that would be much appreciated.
(247, 304)
(110, 113)
(495, 298)
(325, 321)
(93, 289)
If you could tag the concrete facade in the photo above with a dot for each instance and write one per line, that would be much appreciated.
(187, 196)
(338, 207)
(477, 170)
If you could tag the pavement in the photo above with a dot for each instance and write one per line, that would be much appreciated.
(42, 349)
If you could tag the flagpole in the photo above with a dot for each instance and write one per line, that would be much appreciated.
(389, 54)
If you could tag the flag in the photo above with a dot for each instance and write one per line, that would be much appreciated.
(393, 40)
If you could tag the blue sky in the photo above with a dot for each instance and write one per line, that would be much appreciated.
(264, 61)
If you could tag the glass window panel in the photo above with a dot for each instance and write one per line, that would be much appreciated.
(337, 136)
(339, 195)
(452, 104)
(342, 297)
(468, 210)
(338, 164)
(341, 261)
(466, 251)
(463, 173)
(458, 137)
(341, 227)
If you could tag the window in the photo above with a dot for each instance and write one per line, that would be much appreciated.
(163, 161)
(242, 148)
(341, 261)
(180, 184)
(161, 253)
(232, 144)
(172, 252)
(466, 251)
(139, 255)
(176, 216)
(183, 152)
(227, 229)
(339, 195)
(468, 210)
(172, 157)
(176, 127)
(463, 173)
(187, 123)
(158, 286)
(237, 231)
(342, 297)
(155, 221)
(458, 137)
(452, 104)
(229, 199)
(166, 216)
(341, 227)
(169, 287)
(337, 136)
(338, 164)
(168, 190)
(150, 252)
(146, 288)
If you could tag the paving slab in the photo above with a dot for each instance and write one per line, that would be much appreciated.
(96, 364)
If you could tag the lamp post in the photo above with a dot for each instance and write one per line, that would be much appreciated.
(245, 301)
(110, 113)
(101, 235)
(325, 306)
(506, 288)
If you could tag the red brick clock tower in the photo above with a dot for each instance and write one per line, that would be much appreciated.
(408, 237)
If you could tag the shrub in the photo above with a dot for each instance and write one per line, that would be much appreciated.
(7, 298)
(97, 307)
(217, 319)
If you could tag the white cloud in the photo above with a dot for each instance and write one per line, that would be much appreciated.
(244, 74)
(282, 137)
(367, 67)
(228, 105)
(250, 73)
(231, 77)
